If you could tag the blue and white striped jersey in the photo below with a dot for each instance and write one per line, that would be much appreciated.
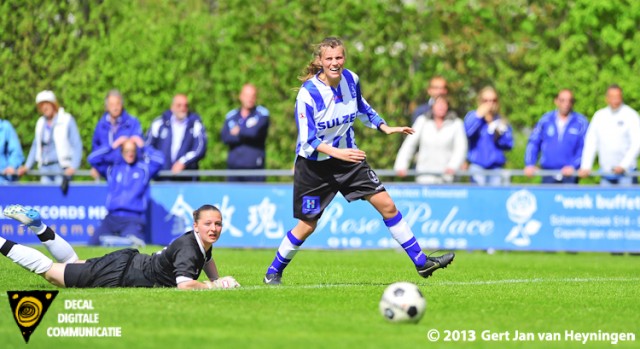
(326, 114)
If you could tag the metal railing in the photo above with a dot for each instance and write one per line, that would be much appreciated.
(506, 174)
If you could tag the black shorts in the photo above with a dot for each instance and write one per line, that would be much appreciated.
(106, 271)
(316, 183)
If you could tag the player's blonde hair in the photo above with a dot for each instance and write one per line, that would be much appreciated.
(315, 66)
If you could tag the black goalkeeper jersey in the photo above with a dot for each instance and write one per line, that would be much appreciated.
(182, 260)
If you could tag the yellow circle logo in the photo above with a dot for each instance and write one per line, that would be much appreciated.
(28, 311)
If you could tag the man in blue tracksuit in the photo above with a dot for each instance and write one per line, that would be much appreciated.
(128, 172)
(489, 135)
(180, 135)
(113, 124)
(558, 138)
(245, 132)
(11, 156)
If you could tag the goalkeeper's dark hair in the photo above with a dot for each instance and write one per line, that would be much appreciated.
(196, 213)
(315, 66)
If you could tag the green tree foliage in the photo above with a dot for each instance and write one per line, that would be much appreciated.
(151, 50)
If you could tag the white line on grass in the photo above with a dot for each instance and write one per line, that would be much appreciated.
(443, 283)
(536, 280)
(453, 283)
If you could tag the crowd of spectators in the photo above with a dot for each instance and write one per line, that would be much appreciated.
(563, 141)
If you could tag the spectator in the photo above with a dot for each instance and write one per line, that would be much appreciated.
(128, 175)
(614, 134)
(56, 147)
(441, 142)
(180, 136)
(558, 137)
(489, 136)
(437, 87)
(245, 132)
(113, 124)
(11, 156)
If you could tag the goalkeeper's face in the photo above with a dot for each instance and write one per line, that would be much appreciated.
(208, 226)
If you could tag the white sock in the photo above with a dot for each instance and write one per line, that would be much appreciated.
(59, 248)
(401, 232)
(30, 259)
(61, 251)
(287, 249)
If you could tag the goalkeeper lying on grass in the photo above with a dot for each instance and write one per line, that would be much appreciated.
(179, 264)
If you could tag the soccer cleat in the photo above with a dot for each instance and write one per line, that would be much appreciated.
(136, 242)
(435, 263)
(273, 279)
(30, 217)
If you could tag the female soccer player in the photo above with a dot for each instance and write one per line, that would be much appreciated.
(328, 160)
(179, 264)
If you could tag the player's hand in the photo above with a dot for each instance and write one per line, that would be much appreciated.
(69, 171)
(397, 129)
(350, 155)
(484, 109)
(235, 131)
(449, 171)
(401, 173)
(529, 171)
(225, 282)
(568, 171)
(9, 171)
(618, 170)
(177, 167)
(138, 141)
(95, 174)
(22, 170)
(582, 173)
(118, 142)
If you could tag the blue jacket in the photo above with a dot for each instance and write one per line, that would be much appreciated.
(194, 144)
(103, 136)
(127, 184)
(247, 149)
(557, 150)
(486, 149)
(10, 148)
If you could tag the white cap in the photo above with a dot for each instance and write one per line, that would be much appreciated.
(46, 96)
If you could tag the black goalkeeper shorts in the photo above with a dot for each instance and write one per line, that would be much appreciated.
(106, 271)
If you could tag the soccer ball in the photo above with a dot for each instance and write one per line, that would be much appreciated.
(402, 302)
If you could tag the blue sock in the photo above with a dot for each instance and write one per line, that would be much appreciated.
(288, 248)
(401, 232)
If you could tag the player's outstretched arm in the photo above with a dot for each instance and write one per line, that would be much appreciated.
(344, 154)
(211, 270)
(223, 282)
(194, 285)
(396, 129)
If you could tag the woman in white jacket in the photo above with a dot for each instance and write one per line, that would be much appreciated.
(441, 144)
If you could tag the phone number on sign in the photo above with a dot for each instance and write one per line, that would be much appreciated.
(435, 335)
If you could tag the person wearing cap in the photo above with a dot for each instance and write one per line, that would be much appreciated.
(116, 122)
(11, 156)
(56, 147)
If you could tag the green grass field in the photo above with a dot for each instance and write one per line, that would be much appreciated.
(330, 300)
